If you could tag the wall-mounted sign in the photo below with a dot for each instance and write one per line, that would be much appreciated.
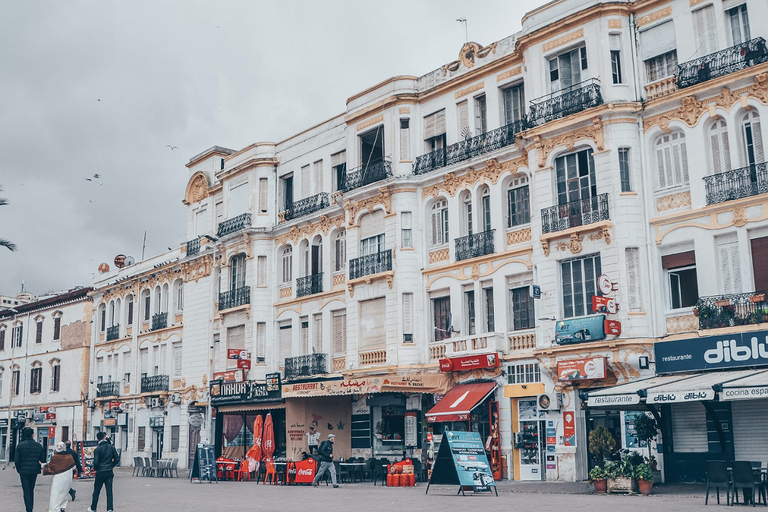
(50, 416)
(118, 406)
(223, 393)
(732, 350)
(46, 409)
(604, 284)
(579, 330)
(604, 305)
(110, 422)
(535, 291)
(581, 369)
(457, 364)
(244, 364)
(234, 353)
(569, 429)
(612, 327)
(156, 421)
(411, 428)
(273, 382)
(230, 376)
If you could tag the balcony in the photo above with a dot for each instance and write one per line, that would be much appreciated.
(107, 389)
(113, 332)
(306, 366)
(366, 175)
(309, 285)
(575, 213)
(471, 345)
(730, 185)
(159, 321)
(307, 205)
(748, 308)
(154, 383)
(565, 102)
(234, 224)
(234, 298)
(193, 247)
(469, 148)
(370, 264)
(472, 246)
(722, 63)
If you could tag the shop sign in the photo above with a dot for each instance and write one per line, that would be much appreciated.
(457, 364)
(580, 330)
(628, 399)
(234, 353)
(604, 305)
(604, 284)
(581, 369)
(273, 382)
(50, 416)
(229, 376)
(51, 432)
(430, 383)
(46, 409)
(411, 428)
(551, 462)
(244, 364)
(569, 429)
(677, 397)
(462, 461)
(744, 393)
(155, 421)
(117, 406)
(733, 350)
(110, 422)
(612, 327)
(223, 393)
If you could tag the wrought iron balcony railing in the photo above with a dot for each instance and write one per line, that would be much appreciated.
(370, 264)
(734, 309)
(113, 332)
(366, 175)
(565, 102)
(234, 298)
(193, 247)
(307, 205)
(722, 62)
(154, 383)
(738, 183)
(575, 213)
(234, 224)
(309, 285)
(108, 389)
(469, 148)
(306, 366)
(159, 321)
(472, 246)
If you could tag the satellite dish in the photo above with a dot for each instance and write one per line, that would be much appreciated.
(129, 261)
(120, 260)
(104, 267)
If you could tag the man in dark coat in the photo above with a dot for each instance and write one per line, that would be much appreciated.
(79, 466)
(326, 461)
(29, 456)
(104, 459)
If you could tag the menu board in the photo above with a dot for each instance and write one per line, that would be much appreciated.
(204, 466)
(462, 461)
(85, 449)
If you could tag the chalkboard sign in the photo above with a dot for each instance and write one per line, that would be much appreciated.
(204, 466)
(461, 460)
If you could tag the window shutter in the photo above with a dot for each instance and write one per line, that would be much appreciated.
(127, 363)
(318, 170)
(704, 29)
(305, 181)
(177, 360)
(759, 251)
(262, 271)
(462, 110)
(373, 314)
(633, 278)
(285, 340)
(681, 259)
(730, 275)
(405, 140)
(657, 40)
(407, 313)
(757, 137)
(339, 333)
(338, 159)
(317, 345)
(261, 338)
(304, 335)
(263, 194)
(236, 337)
(434, 124)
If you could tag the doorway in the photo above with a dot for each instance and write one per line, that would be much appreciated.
(157, 445)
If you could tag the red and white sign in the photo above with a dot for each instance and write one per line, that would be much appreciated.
(117, 406)
(51, 433)
(244, 364)
(46, 409)
(604, 284)
(50, 416)
(230, 376)
(234, 353)
(604, 305)
(612, 327)
(569, 429)
(457, 364)
(581, 369)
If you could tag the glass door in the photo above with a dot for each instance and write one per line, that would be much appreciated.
(529, 441)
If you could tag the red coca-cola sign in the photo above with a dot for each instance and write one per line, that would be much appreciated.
(612, 327)
(457, 364)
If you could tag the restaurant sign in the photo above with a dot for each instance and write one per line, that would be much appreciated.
(580, 330)
(732, 350)
(581, 369)
(457, 364)
(246, 392)
(428, 383)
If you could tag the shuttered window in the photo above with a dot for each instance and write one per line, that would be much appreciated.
(2, 339)
(285, 340)
(305, 181)
(175, 434)
(434, 125)
(739, 21)
(719, 147)
(462, 115)
(730, 268)
(759, 247)
(704, 31)
(339, 333)
(405, 139)
(372, 323)
(657, 40)
(407, 224)
(304, 335)
(263, 194)
(689, 428)
(238, 199)
(55, 376)
(671, 160)
(177, 359)
(261, 277)
(287, 265)
(340, 251)
(127, 368)
(57, 326)
(39, 332)
(317, 171)
(408, 318)
(339, 165)
(633, 278)
(261, 340)
(682, 278)
(317, 341)
(144, 361)
(141, 439)
(753, 138)
(749, 420)
(439, 223)
(481, 118)
(236, 338)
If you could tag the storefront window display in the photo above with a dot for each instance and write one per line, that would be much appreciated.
(388, 419)
(235, 432)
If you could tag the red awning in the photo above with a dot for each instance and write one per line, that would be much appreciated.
(459, 402)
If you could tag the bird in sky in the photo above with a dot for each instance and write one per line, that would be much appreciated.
(97, 176)
(172, 147)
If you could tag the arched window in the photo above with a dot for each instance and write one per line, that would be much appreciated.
(719, 147)
(466, 203)
(753, 138)
(287, 275)
(340, 250)
(518, 202)
(145, 304)
(439, 223)
(485, 203)
(237, 272)
(55, 374)
(178, 296)
(129, 311)
(158, 300)
(164, 299)
(671, 160)
(316, 256)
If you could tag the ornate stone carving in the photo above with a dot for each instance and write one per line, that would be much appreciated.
(197, 188)
(739, 217)
(760, 88)
(507, 74)
(469, 52)
(469, 90)
(607, 235)
(662, 13)
(563, 40)
(438, 255)
(545, 247)
(286, 292)
(339, 279)
(324, 225)
(354, 208)
(545, 146)
(195, 269)
(475, 272)
(370, 122)
(673, 201)
(519, 236)
(492, 172)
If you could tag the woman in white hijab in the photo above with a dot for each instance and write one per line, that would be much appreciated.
(61, 467)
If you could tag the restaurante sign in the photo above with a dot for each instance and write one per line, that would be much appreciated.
(733, 350)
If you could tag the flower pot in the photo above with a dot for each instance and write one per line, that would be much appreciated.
(722, 303)
(760, 297)
(644, 486)
(601, 486)
(622, 485)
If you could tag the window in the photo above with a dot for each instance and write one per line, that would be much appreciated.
(739, 22)
(305, 181)
(179, 296)
(406, 233)
(287, 189)
(522, 308)
(442, 317)
(287, 264)
(17, 333)
(39, 332)
(1, 382)
(469, 308)
(15, 379)
(57, 328)
(55, 376)
(142, 436)
(579, 277)
(36, 380)
(468, 221)
(339, 333)
(626, 183)
(633, 278)
(615, 42)
(661, 66)
(263, 195)
(575, 177)
(565, 70)
(201, 224)
(462, 116)
(261, 269)
(285, 339)
(753, 138)
(317, 172)
(671, 160)
(405, 139)
(103, 319)
(434, 131)
(339, 166)
(372, 147)
(175, 431)
(261, 341)
(481, 121)
(729, 265)
(372, 245)
(177, 359)
(514, 104)
(720, 150)
(238, 199)
(304, 322)
(680, 269)
(485, 203)
(340, 251)
(126, 368)
(518, 203)
(237, 273)
(524, 373)
(147, 310)
(144, 362)
(2, 339)
(658, 50)
(490, 315)
(439, 223)
(704, 31)
(407, 318)
(317, 337)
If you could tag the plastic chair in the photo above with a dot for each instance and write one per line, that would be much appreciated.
(138, 466)
(241, 473)
(744, 478)
(148, 469)
(174, 467)
(717, 476)
(271, 473)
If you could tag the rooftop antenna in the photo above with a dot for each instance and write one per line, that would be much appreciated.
(464, 21)
(144, 245)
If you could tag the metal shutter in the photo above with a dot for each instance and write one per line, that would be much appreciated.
(749, 420)
(689, 428)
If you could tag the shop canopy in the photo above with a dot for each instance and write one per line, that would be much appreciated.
(751, 386)
(459, 402)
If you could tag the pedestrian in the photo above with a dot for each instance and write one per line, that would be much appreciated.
(79, 467)
(29, 456)
(104, 459)
(326, 461)
(60, 466)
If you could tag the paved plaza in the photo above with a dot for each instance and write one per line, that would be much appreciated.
(177, 494)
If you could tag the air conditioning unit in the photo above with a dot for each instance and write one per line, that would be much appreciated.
(91, 404)
(549, 401)
(176, 398)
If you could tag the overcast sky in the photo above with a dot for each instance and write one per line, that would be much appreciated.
(102, 87)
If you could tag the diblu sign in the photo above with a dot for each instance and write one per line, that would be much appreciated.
(733, 350)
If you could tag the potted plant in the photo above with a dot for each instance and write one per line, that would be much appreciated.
(601, 443)
(644, 476)
(621, 474)
(597, 477)
(647, 428)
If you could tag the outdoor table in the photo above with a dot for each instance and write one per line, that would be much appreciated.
(351, 466)
(281, 468)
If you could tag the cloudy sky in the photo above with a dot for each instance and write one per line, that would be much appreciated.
(92, 93)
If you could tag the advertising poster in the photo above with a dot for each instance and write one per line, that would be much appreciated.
(86, 449)
(630, 432)
(411, 428)
(569, 429)
(581, 369)
(462, 460)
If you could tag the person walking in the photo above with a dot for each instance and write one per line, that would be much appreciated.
(326, 461)
(104, 459)
(79, 467)
(60, 466)
(29, 456)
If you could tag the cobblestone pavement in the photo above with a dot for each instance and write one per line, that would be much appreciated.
(178, 494)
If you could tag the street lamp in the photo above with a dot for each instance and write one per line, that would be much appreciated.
(10, 395)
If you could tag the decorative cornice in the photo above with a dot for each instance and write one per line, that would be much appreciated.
(197, 188)
(469, 90)
(576, 236)
(353, 208)
(439, 255)
(389, 275)
(492, 171)
(324, 226)
(650, 18)
(193, 270)
(673, 201)
(519, 236)
(512, 72)
(563, 40)
(404, 110)
(467, 55)
(614, 23)
(545, 146)
(462, 270)
(365, 124)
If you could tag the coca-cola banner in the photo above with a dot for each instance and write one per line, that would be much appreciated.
(732, 350)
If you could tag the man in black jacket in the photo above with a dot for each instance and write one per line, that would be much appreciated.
(29, 456)
(79, 467)
(104, 459)
(326, 461)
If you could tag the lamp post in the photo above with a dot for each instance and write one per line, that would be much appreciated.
(10, 394)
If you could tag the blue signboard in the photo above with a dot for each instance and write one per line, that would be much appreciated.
(461, 460)
(579, 330)
(733, 350)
